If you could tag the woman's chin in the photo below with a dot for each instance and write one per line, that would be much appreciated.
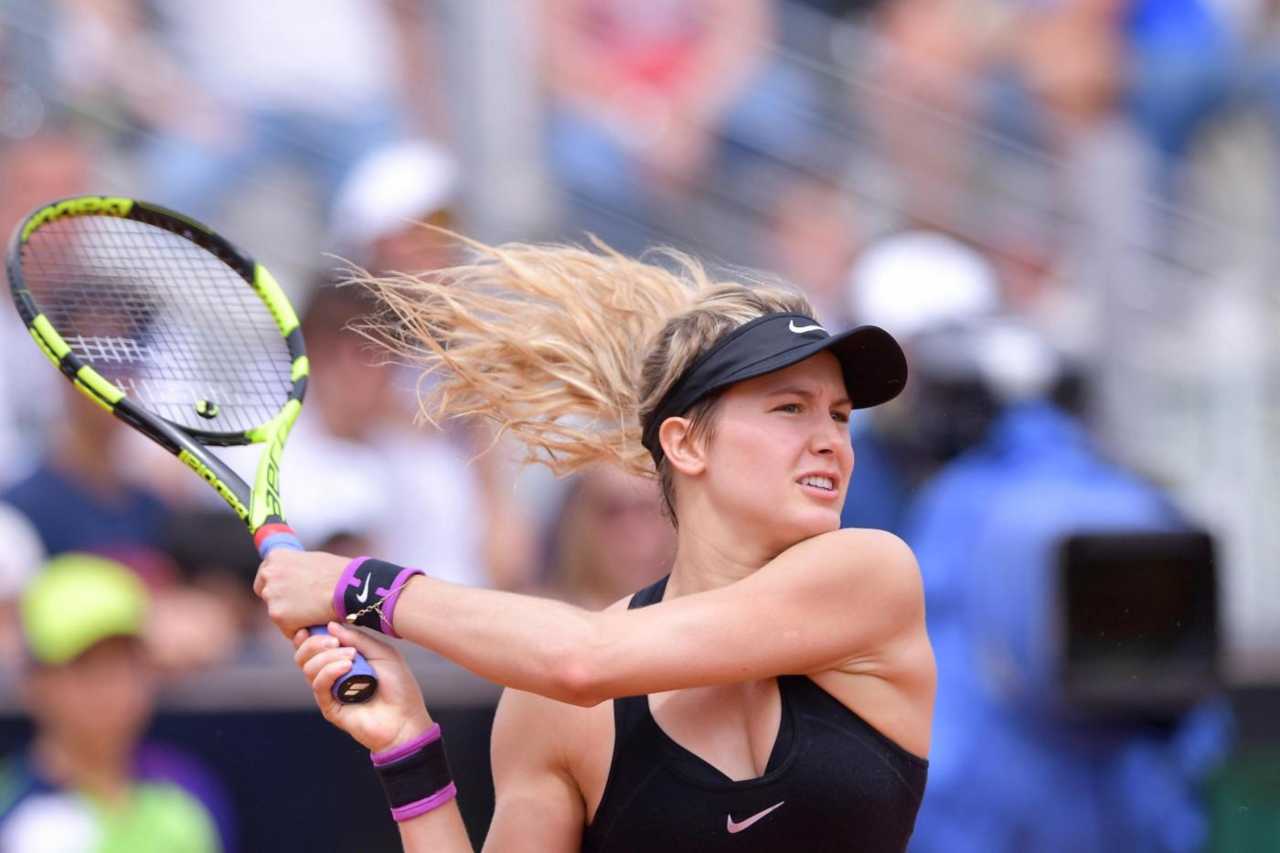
(811, 523)
(825, 525)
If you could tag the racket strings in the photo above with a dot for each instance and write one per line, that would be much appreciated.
(174, 327)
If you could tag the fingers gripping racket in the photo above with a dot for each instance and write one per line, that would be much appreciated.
(177, 333)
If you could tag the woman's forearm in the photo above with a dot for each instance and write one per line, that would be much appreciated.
(533, 644)
(438, 831)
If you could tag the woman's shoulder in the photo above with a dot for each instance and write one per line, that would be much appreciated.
(850, 561)
(860, 547)
(870, 536)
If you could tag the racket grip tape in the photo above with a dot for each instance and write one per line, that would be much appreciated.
(357, 684)
(271, 536)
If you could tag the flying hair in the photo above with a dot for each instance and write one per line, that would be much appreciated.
(564, 348)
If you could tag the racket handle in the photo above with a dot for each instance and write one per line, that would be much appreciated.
(273, 535)
(357, 684)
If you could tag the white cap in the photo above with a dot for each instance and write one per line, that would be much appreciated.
(1017, 362)
(22, 554)
(918, 280)
(390, 188)
(1011, 360)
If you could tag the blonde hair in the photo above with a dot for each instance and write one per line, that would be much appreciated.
(565, 348)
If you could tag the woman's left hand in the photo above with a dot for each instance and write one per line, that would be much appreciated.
(298, 587)
(395, 714)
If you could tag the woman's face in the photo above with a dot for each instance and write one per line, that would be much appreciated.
(780, 458)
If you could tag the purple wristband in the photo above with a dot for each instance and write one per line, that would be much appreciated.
(426, 804)
(347, 580)
(396, 753)
(415, 775)
(388, 610)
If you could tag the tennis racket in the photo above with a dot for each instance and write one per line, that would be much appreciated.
(179, 334)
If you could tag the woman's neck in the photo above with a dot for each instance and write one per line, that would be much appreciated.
(709, 559)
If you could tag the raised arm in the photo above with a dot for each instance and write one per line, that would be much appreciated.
(850, 600)
(847, 600)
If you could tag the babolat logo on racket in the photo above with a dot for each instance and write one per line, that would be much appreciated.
(103, 205)
(193, 462)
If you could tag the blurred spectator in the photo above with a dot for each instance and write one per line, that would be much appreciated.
(47, 166)
(409, 493)
(87, 783)
(64, 461)
(232, 88)
(53, 164)
(80, 498)
(379, 208)
(1010, 770)
(377, 223)
(911, 283)
(1003, 121)
(1184, 64)
(20, 558)
(650, 100)
(812, 238)
(30, 85)
(1061, 151)
(1193, 64)
(610, 540)
(1071, 58)
(924, 74)
(216, 557)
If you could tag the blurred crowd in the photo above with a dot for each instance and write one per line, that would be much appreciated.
(952, 170)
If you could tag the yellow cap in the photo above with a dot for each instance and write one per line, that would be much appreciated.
(76, 601)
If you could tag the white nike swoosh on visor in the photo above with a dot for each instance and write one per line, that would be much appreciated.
(364, 593)
(800, 330)
(735, 827)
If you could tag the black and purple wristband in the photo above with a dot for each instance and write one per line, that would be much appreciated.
(415, 775)
(370, 588)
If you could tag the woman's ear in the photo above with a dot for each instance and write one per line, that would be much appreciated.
(686, 455)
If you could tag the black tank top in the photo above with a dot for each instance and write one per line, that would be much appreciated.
(832, 783)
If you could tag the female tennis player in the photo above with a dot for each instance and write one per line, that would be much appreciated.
(773, 693)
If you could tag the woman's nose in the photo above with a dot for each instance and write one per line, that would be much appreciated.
(827, 439)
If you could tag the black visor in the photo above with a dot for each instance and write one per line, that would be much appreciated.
(875, 370)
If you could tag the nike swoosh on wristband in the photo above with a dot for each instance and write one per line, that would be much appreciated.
(735, 827)
(800, 330)
(363, 594)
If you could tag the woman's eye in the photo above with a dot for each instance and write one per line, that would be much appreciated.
(840, 417)
(789, 408)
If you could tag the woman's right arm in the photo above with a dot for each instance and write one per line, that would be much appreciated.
(850, 600)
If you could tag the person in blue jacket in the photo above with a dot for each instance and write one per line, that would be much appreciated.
(1010, 771)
